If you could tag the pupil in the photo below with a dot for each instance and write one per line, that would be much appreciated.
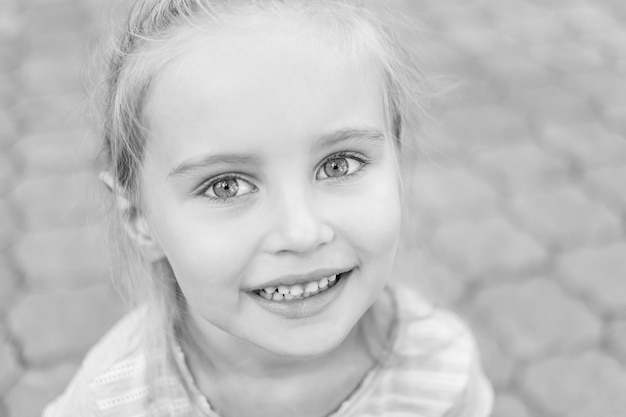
(336, 167)
(226, 188)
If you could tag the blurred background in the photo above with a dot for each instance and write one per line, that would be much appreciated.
(521, 199)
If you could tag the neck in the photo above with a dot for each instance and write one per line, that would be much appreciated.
(228, 367)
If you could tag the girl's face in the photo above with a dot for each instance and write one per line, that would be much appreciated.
(267, 166)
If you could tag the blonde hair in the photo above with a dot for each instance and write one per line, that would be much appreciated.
(147, 41)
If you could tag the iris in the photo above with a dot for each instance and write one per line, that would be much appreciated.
(226, 188)
(336, 167)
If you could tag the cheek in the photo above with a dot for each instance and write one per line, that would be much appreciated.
(207, 255)
(374, 214)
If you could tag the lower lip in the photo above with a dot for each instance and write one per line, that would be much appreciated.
(306, 307)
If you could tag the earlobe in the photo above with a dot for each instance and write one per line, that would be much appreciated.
(134, 222)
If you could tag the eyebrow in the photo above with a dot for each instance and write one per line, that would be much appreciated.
(192, 165)
(366, 134)
(329, 139)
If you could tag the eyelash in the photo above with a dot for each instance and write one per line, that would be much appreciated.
(206, 186)
(361, 159)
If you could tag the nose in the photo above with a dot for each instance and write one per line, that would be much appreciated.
(297, 225)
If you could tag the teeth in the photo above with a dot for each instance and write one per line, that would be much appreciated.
(323, 283)
(296, 290)
(311, 287)
(293, 292)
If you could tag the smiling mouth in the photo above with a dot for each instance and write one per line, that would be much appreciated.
(300, 291)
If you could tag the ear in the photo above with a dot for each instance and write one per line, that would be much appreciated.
(134, 222)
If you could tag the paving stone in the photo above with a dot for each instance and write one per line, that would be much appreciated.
(608, 183)
(498, 366)
(8, 90)
(615, 119)
(590, 145)
(521, 168)
(9, 57)
(56, 152)
(598, 272)
(451, 19)
(440, 54)
(51, 18)
(535, 317)
(609, 43)
(446, 194)
(62, 259)
(567, 218)
(7, 172)
(617, 339)
(58, 46)
(479, 90)
(484, 126)
(67, 201)
(586, 18)
(512, 11)
(44, 76)
(10, 369)
(9, 291)
(38, 388)
(10, 24)
(514, 71)
(8, 129)
(8, 225)
(606, 89)
(478, 41)
(568, 58)
(490, 248)
(551, 104)
(591, 384)
(536, 30)
(509, 406)
(63, 324)
(47, 113)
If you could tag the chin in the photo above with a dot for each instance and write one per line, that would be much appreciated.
(309, 343)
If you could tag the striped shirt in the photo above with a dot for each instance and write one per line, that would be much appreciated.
(431, 369)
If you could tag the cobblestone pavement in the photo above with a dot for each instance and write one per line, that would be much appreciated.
(522, 210)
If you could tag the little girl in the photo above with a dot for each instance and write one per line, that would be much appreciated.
(255, 154)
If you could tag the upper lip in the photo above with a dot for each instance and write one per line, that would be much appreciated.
(302, 278)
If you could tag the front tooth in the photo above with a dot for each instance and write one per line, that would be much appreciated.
(296, 290)
(289, 296)
(311, 287)
(283, 289)
(277, 296)
(323, 283)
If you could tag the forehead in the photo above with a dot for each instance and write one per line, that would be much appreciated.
(255, 79)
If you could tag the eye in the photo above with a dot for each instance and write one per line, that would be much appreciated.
(339, 166)
(228, 187)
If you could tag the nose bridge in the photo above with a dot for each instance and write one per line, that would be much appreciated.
(297, 224)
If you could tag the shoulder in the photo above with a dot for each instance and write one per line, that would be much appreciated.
(435, 360)
(113, 367)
